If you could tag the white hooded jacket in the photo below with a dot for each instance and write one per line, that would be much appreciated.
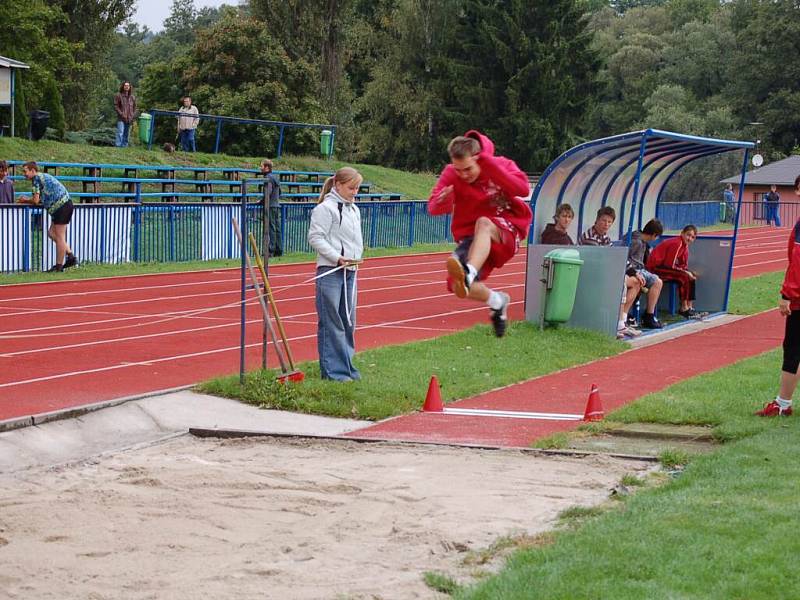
(335, 230)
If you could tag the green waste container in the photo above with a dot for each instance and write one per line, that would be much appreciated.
(144, 127)
(723, 212)
(326, 142)
(564, 265)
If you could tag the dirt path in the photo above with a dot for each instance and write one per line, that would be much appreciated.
(267, 518)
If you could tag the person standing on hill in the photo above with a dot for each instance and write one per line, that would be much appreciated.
(187, 123)
(125, 106)
(789, 305)
(487, 196)
(272, 203)
(54, 197)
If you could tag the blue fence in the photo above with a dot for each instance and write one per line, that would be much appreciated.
(117, 233)
(675, 215)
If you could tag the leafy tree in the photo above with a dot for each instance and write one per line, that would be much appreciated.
(34, 22)
(51, 102)
(90, 28)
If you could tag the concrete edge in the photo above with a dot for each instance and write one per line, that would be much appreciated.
(201, 432)
(77, 411)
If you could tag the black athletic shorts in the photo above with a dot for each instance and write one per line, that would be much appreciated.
(63, 215)
(791, 343)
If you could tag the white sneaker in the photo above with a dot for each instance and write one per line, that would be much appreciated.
(627, 332)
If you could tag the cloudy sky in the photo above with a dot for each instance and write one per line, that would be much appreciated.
(153, 12)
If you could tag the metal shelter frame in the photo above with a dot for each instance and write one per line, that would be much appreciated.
(13, 66)
(628, 172)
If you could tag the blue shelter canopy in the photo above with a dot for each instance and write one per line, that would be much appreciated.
(628, 172)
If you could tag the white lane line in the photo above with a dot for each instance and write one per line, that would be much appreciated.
(511, 414)
(763, 262)
(276, 292)
(227, 280)
(152, 361)
(159, 334)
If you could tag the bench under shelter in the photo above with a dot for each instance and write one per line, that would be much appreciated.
(630, 173)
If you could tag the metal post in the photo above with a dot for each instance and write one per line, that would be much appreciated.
(152, 128)
(219, 131)
(13, 100)
(243, 219)
(280, 142)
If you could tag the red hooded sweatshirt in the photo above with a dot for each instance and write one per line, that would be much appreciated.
(469, 201)
(790, 290)
(669, 254)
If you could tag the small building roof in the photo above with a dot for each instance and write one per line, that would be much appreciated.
(14, 64)
(782, 172)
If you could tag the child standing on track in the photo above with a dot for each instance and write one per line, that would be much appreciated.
(54, 197)
(335, 233)
(789, 306)
(490, 216)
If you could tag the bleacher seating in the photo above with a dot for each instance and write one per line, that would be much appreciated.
(296, 186)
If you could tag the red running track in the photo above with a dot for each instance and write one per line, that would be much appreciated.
(72, 343)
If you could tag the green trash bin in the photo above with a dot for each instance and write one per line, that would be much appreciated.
(326, 142)
(144, 127)
(723, 212)
(564, 266)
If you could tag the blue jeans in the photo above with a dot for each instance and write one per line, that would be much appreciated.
(335, 335)
(773, 213)
(123, 131)
(186, 140)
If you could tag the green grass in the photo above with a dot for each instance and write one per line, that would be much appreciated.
(395, 378)
(717, 530)
(755, 294)
(411, 185)
(92, 270)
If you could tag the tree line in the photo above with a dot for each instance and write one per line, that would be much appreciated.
(399, 78)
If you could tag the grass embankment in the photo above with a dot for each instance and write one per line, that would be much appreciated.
(92, 270)
(411, 185)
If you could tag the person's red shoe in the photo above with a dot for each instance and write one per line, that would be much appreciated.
(773, 409)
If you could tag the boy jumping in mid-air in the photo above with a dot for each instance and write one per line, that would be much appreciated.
(485, 194)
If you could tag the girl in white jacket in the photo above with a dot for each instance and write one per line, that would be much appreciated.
(335, 233)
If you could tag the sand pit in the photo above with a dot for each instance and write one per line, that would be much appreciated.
(276, 518)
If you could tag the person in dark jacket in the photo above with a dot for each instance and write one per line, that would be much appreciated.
(789, 305)
(125, 107)
(6, 185)
(556, 232)
(772, 206)
(638, 253)
(272, 203)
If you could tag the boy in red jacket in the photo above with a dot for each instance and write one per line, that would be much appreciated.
(670, 261)
(789, 305)
(485, 194)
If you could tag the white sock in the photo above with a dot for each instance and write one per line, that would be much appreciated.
(620, 325)
(495, 300)
(784, 404)
(472, 273)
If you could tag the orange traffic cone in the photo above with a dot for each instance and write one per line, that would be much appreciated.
(433, 401)
(594, 408)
